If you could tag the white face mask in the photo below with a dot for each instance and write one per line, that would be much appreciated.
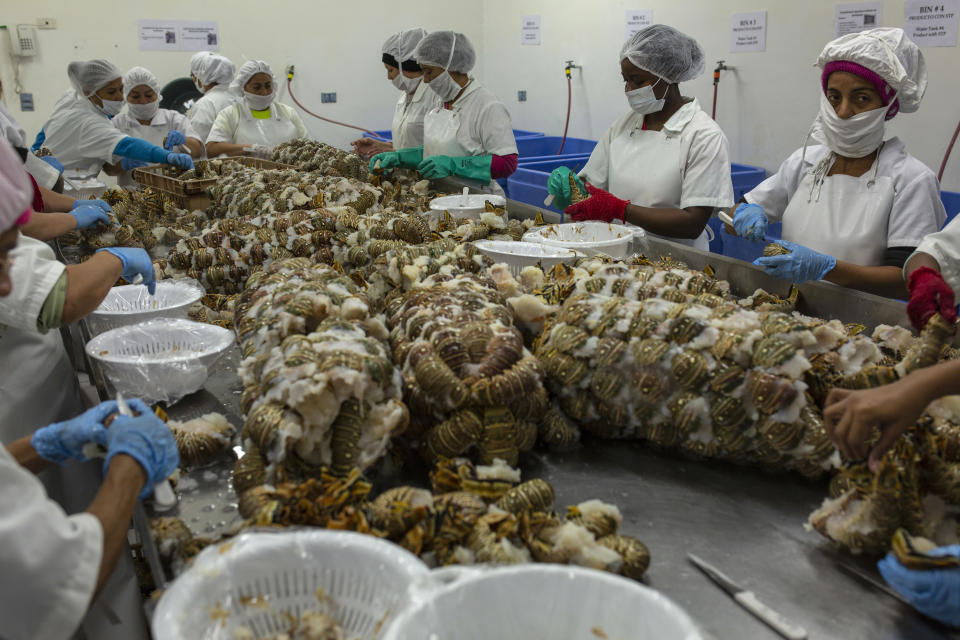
(257, 102)
(143, 111)
(445, 86)
(111, 107)
(855, 137)
(403, 83)
(644, 101)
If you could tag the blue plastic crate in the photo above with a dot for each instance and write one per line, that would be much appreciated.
(546, 147)
(745, 178)
(737, 247)
(951, 202)
(386, 135)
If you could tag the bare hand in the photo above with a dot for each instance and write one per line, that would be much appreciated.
(366, 148)
(849, 417)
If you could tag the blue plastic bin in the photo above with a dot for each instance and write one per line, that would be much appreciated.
(545, 148)
(745, 178)
(737, 247)
(951, 202)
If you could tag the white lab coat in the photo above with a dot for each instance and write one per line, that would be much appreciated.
(236, 125)
(894, 204)
(43, 173)
(482, 126)
(164, 121)
(944, 247)
(81, 136)
(205, 110)
(407, 128)
(49, 561)
(685, 164)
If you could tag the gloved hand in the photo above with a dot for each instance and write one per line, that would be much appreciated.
(440, 166)
(88, 215)
(129, 164)
(135, 262)
(53, 162)
(174, 138)
(929, 294)
(409, 158)
(147, 440)
(601, 205)
(261, 151)
(934, 592)
(750, 222)
(96, 201)
(182, 160)
(62, 441)
(800, 265)
(558, 185)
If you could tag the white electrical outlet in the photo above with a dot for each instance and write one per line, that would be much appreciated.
(46, 23)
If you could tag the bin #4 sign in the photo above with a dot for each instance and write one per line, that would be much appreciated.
(932, 24)
(748, 32)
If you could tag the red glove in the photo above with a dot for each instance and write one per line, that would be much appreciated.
(601, 205)
(929, 294)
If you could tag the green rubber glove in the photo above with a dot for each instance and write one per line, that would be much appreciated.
(407, 158)
(558, 185)
(473, 167)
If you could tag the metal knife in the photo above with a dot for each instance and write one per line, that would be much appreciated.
(748, 601)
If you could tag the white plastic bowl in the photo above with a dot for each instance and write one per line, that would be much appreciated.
(589, 237)
(131, 304)
(159, 360)
(474, 206)
(538, 601)
(257, 578)
(519, 255)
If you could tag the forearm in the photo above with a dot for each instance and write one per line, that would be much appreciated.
(47, 226)
(937, 381)
(881, 281)
(195, 147)
(26, 456)
(215, 149)
(675, 223)
(88, 284)
(919, 260)
(113, 506)
(53, 201)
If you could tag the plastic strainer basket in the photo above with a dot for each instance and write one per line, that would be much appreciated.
(519, 255)
(132, 303)
(533, 602)
(257, 578)
(159, 360)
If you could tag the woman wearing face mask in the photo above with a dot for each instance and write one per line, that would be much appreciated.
(258, 123)
(415, 98)
(854, 208)
(664, 166)
(469, 134)
(146, 120)
(213, 78)
(80, 134)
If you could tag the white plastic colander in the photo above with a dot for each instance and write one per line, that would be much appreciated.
(537, 601)
(519, 255)
(259, 580)
(589, 237)
(132, 303)
(159, 360)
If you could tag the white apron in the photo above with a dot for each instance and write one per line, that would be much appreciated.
(440, 128)
(270, 131)
(843, 217)
(646, 168)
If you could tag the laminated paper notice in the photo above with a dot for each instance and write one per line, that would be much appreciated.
(857, 16)
(748, 32)
(931, 24)
(178, 35)
(637, 19)
(530, 30)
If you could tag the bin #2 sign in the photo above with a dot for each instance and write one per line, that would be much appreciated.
(932, 24)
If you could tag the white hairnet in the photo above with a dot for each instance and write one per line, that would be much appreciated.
(89, 76)
(196, 60)
(216, 69)
(249, 69)
(890, 54)
(665, 52)
(16, 190)
(401, 45)
(435, 49)
(138, 76)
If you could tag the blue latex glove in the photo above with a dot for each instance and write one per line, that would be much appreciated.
(135, 262)
(129, 164)
(436, 167)
(558, 185)
(53, 162)
(750, 222)
(182, 160)
(147, 440)
(174, 138)
(933, 592)
(97, 201)
(88, 215)
(62, 441)
(800, 265)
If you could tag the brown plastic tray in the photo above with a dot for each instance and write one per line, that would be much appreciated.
(152, 176)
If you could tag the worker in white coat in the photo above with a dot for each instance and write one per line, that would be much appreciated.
(415, 99)
(258, 123)
(53, 565)
(468, 133)
(145, 119)
(80, 134)
(214, 76)
(855, 207)
(932, 275)
(663, 166)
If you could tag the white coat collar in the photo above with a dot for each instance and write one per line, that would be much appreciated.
(682, 117)
(472, 85)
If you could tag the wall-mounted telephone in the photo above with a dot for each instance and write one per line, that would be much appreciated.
(23, 41)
